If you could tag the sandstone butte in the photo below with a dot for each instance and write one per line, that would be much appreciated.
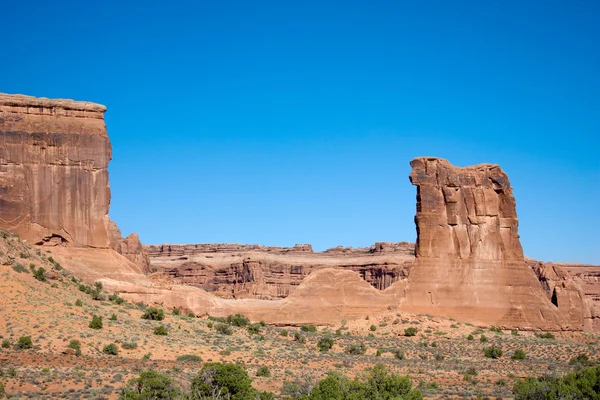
(467, 263)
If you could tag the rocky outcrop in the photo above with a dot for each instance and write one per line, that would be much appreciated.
(54, 189)
(469, 261)
(251, 271)
(130, 247)
(54, 156)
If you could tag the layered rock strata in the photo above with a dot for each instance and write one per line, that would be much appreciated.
(54, 188)
(469, 261)
(252, 271)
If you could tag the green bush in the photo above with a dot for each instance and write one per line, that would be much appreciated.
(113, 317)
(373, 328)
(495, 329)
(129, 345)
(5, 344)
(40, 274)
(308, 328)
(237, 320)
(546, 335)
(79, 303)
(399, 354)
(325, 344)
(96, 322)
(153, 314)
(110, 349)
(376, 383)
(161, 330)
(412, 331)
(19, 268)
(25, 343)
(176, 311)
(189, 358)
(298, 337)
(75, 345)
(263, 371)
(581, 360)
(284, 332)
(2, 390)
(151, 385)
(519, 355)
(483, 339)
(356, 349)
(583, 384)
(254, 329)
(224, 329)
(224, 381)
(470, 337)
(493, 352)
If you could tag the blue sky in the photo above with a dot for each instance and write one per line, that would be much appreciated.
(294, 122)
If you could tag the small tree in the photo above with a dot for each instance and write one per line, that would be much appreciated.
(153, 314)
(161, 330)
(75, 345)
(111, 349)
(237, 320)
(151, 385)
(493, 352)
(519, 355)
(25, 343)
(325, 343)
(40, 274)
(412, 331)
(96, 322)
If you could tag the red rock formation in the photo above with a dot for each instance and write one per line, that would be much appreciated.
(251, 271)
(469, 261)
(54, 189)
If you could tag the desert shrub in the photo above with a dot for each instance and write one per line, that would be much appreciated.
(153, 314)
(150, 385)
(373, 328)
(263, 371)
(176, 311)
(583, 384)
(110, 349)
(2, 390)
(298, 337)
(97, 295)
(40, 274)
(378, 353)
(75, 345)
(129, 345)
(582, 360)
(216, 380)
(399, 354)
(439, 357)
(495, 329)
(25, 343)
(254, 329)
(412, 331)
(79, 303)
(5, 344)
(376, 383)
(161, 330)
(96, 322)
(356, 348)
(514, 332)
(546, 335)
(308, 328)
(224, 329)
(518, 355)
(189, 358)
(493, 352)
(284, 332)
(325, 343)
(237, 320)
(483, 339)
(19, 268)
(113, 317)
(470, 337)
(116, 299)
(191, 315)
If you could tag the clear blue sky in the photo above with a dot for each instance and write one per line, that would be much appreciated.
(294, 122)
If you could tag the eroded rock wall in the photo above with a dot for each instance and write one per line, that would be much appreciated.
(469, 261)
(54, 156)
(252, 271)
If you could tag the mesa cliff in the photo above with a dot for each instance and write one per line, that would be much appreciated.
(54, 188)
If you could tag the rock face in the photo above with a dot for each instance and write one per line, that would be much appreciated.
(251, 271)
(54, 189)
(469, 261)
(54, 156)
